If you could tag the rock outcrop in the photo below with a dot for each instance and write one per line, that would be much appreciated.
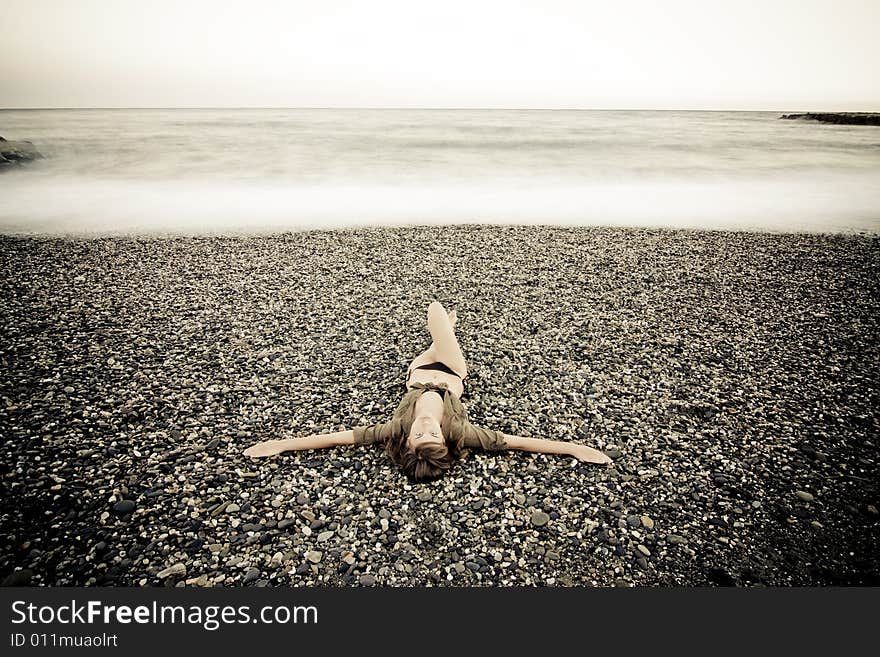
(16, 152)
(842, 118)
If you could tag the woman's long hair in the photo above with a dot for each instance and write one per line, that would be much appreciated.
(426, 462)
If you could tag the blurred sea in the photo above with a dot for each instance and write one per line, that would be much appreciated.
(255, 170)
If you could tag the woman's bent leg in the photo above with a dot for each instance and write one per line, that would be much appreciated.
(446, 347)
(429, 355)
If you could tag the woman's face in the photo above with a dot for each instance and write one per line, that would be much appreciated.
(425, 431)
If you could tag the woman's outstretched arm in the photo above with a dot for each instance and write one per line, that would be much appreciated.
(318, 441)
(580, 452)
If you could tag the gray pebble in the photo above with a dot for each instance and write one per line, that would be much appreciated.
(539, 518)
(178, 569)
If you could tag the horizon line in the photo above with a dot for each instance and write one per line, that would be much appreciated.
(398, 108)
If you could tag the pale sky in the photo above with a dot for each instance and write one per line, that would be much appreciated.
(639, 54)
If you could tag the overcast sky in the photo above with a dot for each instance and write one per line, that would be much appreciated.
(660, 54)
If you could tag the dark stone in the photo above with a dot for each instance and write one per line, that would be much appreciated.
(19, 578)
(195, 545)
(124, 507)
(720, 577)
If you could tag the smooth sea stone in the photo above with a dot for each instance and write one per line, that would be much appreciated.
(539, 518)
(176, 569)
(124, 506)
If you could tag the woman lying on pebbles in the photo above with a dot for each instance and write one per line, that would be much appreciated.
(430, 427)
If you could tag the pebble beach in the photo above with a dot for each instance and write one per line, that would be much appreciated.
(731, 376)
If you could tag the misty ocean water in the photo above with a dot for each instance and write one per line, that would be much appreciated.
(206, 171)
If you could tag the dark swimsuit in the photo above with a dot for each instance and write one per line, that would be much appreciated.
(440, 367)
(436, 366)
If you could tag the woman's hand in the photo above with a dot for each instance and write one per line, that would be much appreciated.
(266, 448)
(588, 454)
